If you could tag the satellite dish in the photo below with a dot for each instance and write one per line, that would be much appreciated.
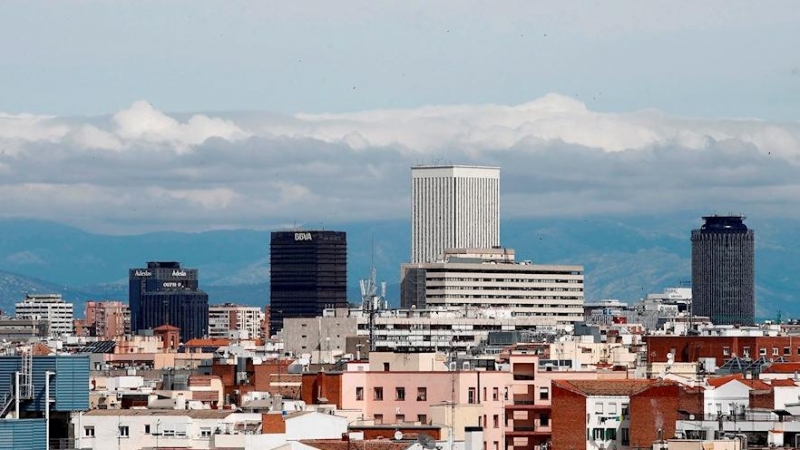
(398, 435)
(426, 441)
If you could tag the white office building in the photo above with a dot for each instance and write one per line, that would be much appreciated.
(453, 207)
(490, 278)
(48, 307)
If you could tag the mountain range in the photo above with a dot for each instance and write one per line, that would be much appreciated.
(624, 258)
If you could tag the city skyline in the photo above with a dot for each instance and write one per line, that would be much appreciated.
(133, 125)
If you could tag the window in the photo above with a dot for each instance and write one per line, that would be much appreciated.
(611, 434)
(377, 393)
(726, 351)
(625, 410)
(360, 393)
(471, 396)
(422, 418)
(544, 419)
(612, 409)
(484, 393)
(762, 351)
(598, 408)
(88, 431)
(378, 419)
(626, 436)
(147, 429)
(399, 418)
(496, 445)
(124, 431)
(598, 433)
(385, 367)
(400, 394)
(496, 421)
(205, 432)
(746, 352)
(787, 351)
(495, 394)
(544, 393)
(774, 351)
(422, 394)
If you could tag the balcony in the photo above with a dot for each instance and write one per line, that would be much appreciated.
(527, 405)
(523, 377)
(527, 431)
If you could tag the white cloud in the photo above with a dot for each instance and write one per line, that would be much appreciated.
(142, 169)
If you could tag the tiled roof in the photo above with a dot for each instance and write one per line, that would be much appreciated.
(193, 413)
(337, 444)
(752, 383)
(610, 387)
(785, 367)
(780, 382)
(215, 342)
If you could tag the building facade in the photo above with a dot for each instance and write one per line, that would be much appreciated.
(49, 307)
(723, 271)
(308, 273)
(230, 320)
(489, 278)
(109, 318)
(453, 207)
(164, 293)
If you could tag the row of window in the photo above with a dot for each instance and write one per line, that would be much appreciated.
(787, 351)
(610, 409)
(401, 418)
(125, 431)
(399, 393)
(609, 434)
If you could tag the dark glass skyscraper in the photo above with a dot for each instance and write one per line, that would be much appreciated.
(164, 293)
(723, 271)
(308, 273)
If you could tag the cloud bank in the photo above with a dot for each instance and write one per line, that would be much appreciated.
(141, 169)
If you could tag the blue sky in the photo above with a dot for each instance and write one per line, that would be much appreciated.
(132, 116)
(696, 59)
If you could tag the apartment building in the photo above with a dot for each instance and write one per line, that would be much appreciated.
(48, 307)
(109, 318)
(230, 320)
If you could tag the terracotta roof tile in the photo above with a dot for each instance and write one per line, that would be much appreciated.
(373, 444)
(787, 367)
(610, 387)
(786, 382)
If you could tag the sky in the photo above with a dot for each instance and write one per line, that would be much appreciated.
(127, 117)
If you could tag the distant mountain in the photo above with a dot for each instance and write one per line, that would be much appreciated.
(624, 258)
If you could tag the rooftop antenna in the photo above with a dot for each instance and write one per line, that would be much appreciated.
(426, 441)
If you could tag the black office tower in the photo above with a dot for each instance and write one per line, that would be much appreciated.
(723, 271)
(308, 273)
(166, 294)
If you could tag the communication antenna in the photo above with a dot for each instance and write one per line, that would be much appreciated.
(426, 441)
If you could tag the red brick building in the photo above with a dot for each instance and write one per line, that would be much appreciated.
(616, 413)
(690, 349)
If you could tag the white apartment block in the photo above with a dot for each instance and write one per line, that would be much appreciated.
(48, 307)
(133, 429)
(234, 321)
(446, 329)
(453, 207)
(489, 278)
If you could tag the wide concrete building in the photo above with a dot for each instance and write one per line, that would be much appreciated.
(490, 278)
(453, 207)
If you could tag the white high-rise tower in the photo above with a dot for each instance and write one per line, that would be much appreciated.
(453, 207)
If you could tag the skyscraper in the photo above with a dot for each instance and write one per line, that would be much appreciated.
(308, 273)
(723, 268)
(453, 207)
(166, 294)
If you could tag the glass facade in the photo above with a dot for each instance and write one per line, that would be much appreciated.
(166, 294)
(723, 271)
(308, 273)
